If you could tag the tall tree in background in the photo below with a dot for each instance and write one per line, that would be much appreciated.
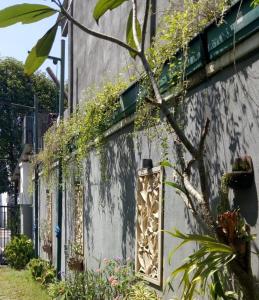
(18, 88)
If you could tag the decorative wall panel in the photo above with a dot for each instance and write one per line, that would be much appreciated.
(149, 210)
(78, 216)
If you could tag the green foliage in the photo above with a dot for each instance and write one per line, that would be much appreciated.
(42, 271)
(140, 291)
(19, 251)
(58, 290)
(16, 87)
(40, 52)
(102, 6)
(24, 13)
(129, 33)
(205, 264)
(84, 129)
(114, 279)
(178, 27)
(30, 13)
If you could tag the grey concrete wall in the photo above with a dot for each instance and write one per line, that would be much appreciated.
(95, 60)
(51, 187)
(230, 100)
(26, 220)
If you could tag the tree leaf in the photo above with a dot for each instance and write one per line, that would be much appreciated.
(103, 5)
(40, 52)
(129, 34)
(166, 163)
(176, 186)
(25, 13)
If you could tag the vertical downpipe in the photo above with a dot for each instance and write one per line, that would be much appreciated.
(36, 178)
(60, 189)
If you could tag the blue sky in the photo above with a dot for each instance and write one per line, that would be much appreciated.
(17, 40)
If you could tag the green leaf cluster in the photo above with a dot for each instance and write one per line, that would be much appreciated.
(202, 267)
(42, 271)
(140, 291)
(177, 28)
(82, 130)
(19, 251)
(102, 6)
(27, 13)
(16, 87)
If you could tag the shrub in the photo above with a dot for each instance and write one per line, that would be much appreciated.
(140, 291)
(42, 271)
(111, 281)
(115, 280)
(58, 290)
(19, 251)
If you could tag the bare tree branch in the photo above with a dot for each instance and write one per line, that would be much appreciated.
(97, 34)
(191, 190)
(189, 165)
(179, 132)
(203, 136)
(144, 28)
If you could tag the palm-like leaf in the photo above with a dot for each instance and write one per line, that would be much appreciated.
(203, 264)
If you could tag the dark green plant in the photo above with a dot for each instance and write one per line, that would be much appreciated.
(42, 271)
(19, 251)
(16, 87)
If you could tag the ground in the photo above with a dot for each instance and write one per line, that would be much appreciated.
(18, 285)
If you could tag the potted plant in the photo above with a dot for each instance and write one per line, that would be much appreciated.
(46, 236)
(47, 246)
(242, 174)
(76, 259)
(233, 231)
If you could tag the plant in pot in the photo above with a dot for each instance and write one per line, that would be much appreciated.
(242, 174)
(46, 236)
(234, 232)
(76, 259)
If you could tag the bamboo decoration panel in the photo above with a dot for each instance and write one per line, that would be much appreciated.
(149, 224)
(78, 216)
(49, 215)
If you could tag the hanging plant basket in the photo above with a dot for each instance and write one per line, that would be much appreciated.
(242, 175)
(75, 264)
(47, 247)
(233, 231)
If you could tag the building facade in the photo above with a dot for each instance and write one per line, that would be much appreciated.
(118, 208)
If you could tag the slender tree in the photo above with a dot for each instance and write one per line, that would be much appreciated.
(135, 44)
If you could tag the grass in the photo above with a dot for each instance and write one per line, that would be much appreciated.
(19, 285)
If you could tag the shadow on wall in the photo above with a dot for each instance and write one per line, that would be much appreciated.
(115, 186)
(230, 100)
(121, 174)
(247, 201)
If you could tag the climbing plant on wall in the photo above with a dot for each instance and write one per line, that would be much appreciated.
(179, 29)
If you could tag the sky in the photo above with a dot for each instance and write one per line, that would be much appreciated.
(17, 40)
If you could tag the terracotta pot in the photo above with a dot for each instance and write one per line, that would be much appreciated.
(47, 248)
(75, 264)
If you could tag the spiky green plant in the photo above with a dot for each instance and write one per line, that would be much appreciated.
(201, 271)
